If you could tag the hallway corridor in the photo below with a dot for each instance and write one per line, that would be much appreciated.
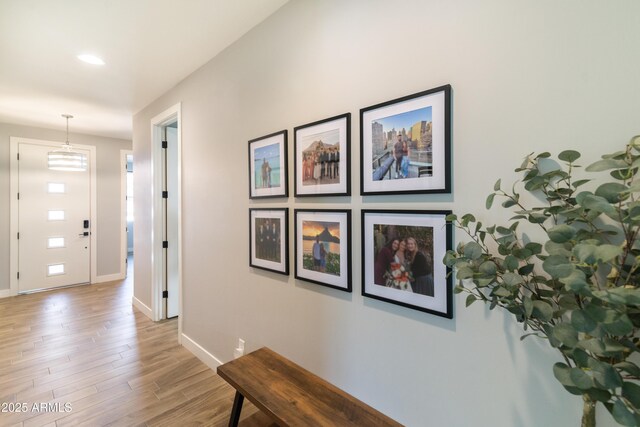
(93, 360)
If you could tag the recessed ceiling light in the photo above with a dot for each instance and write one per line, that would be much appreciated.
(91, 59)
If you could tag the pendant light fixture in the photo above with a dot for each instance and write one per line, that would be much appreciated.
(65, 159)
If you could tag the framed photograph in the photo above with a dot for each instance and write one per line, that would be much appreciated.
(402, 253)
(405, 144)
(268, 239)
(268, 166)
(322, 157)
(323, 247)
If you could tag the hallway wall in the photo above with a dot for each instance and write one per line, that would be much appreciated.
(108, 189)
(526, 76)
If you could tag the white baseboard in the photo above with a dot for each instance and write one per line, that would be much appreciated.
(207, 358)
(109, 278)
(5, 293)
(142, 307)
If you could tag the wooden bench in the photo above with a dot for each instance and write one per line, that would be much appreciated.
(293, 396)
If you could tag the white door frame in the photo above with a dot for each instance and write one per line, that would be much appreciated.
(170, 115)
(13, 216)
(124, 251)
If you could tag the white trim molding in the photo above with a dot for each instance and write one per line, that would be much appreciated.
(109, 278)
(207, 358)
(144, 309)
(6, 293)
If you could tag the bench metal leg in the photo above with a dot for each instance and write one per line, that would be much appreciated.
(235, 411)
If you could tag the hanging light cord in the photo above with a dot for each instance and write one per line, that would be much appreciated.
(67, 116)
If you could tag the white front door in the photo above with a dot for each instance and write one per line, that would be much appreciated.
(54, 210)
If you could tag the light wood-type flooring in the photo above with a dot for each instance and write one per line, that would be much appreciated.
(87, 348)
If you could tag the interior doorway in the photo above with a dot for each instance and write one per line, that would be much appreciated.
(166, 235)
(126, 189)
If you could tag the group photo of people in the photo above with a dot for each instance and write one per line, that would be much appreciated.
(321, 158)
(404, 258)
(268, 239)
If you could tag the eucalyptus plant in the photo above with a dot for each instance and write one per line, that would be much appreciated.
(577, 286)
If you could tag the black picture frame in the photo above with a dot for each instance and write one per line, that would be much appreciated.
(269, 239)
(425, 166)
(322, 160)
(406, 282)
(332, 228)
(269, 178)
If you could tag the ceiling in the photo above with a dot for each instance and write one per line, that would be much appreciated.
(148, 47)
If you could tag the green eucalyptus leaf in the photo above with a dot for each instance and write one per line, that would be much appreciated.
(472, 250)
(605, 375)
(451, 218)
(576, 282)
(470, 300)
(623, 174)
(595, 203)
(569, 156)
(511, 263)
(542, 311)
(580, 182)
(489, 201)
(512, 279)
(562, 372)
(581, 357)
(535, 248)
(496, 186)
(561, 249)
(628, 367)
(581, 379)
(598, 394)
(561, 233)
(537, 218)
(613, 192)
(464, 273)
(488, 268)
(606, 253)
(586, 253)
(593, 345)
(543, 155)
(606, 164)
(526, 269)
(509, 203)
(528, 305)
(631, 392)
(558, 266)
(500, 291)
(623, 415)
(581, 322)
(568, 336)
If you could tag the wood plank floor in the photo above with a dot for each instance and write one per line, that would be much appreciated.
(87, 348)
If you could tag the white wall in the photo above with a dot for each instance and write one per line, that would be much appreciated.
(108, 192)
(526, 76)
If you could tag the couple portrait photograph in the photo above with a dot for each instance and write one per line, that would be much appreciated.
(401, 259)
(404, 258)
(322, 247)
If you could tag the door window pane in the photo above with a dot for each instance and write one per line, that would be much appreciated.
(55, 215)
(55, 269)
(55, 242)
(55, 187)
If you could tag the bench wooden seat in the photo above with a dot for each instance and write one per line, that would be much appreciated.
(293, 396)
